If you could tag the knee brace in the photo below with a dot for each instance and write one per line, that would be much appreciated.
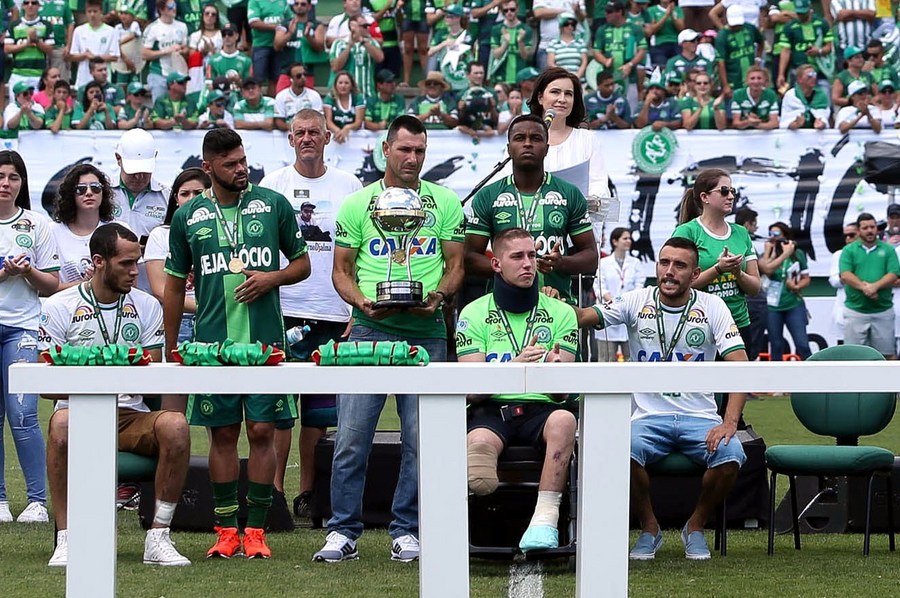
(482, 459)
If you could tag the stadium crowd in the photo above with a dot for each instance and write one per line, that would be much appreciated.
(489, 68)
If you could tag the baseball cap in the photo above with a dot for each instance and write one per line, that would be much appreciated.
(455, 9)
(214, 95)
(176, 77)
(309, 204)
(687, 35)
(136, 87)
(566, 16)
(886, 84)
(527, 73)
(893, 210)
(22, 87)
(856, 87)
(229, 30)
(734, 15)
(249, 82)
(385, 76)
(851, 51)
(710, 33)
(615, 6)
(801, 7)
(137, 150)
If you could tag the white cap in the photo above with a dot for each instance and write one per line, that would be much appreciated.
(734, 15)
(856, 87)
(137, 150)
(687, 35)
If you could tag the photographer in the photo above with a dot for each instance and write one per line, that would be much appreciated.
(788, 272)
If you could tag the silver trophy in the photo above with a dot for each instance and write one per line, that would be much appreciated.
(398, 215)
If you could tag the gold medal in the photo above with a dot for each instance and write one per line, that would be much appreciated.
(235, 265)
(399, 256)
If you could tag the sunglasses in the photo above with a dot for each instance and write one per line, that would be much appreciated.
(725, 190)
(850, 235)
(31, 2)
(506, 10)
(219, 103)
(701, 82)
(82, 188)
(171, 6)
(774, 233)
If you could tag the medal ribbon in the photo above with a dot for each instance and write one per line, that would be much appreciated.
(526, 338)
(679, 328)
(527, 219)
(231, 233)
(104, 331)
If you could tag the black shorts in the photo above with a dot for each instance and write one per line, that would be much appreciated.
(415, 26)
(526, 429)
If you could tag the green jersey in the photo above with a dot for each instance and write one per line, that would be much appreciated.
(414, 10)
(431, 7)
(455, 75)
(800, 37)
(266, 11)
(680, 65)
(225, 65)
(59, 15)
(707, 119)
(778, 296)
(597, 105)
(556, 212)
(165, 107)
(69, 119)
(767, 104)
(378, 110)
(264, 109)
(423, 104)
(737, 49)
(667, 34)
(640, 19)
(198, 242)
(511, 62)
(501, 335)
(355, 229)
(297, 48)
(869, 265)
(344, 115)
(711, 247)
(621, 44)
(360, 65)
(139, 9)
(30, 62)
(190, 12)
(846, 77)
(387, 23)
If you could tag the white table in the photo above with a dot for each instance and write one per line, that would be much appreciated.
(443, 570)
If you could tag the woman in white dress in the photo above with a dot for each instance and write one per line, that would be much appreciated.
(620, 272)
(83, 203)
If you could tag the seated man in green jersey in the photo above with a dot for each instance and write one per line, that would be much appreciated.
(517, 323)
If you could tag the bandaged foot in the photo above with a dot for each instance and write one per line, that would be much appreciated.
(542, 532)
(482, 460)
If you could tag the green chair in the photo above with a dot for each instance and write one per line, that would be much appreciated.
(678, 465)
(846, 416)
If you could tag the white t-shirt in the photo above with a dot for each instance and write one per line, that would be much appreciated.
(70, 316)
(708, 328)
(315, 297)
(617, 280)
(287, 103)
(549, 28)
(29, 233)
(74, 252)
(164, 35)
(338, 28)
(101, 41)
(13, 108)
(196, 37)
(157, 249)
(848, 113)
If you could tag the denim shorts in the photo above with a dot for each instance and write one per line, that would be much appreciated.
(657, 436)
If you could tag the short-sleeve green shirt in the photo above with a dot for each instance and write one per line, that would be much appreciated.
(794, 265)
(507, 69)
(560, 213)
(266, 225)
(355, 229)
(480, 329)
(667, 34)
(767, 104)
(725, 285)
(621, 44)
(869, 266)
(270, 12)
(377, 110)
(737, 49)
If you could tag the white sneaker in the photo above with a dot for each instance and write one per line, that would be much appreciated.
(60, 556)
(338, 547)
(5, 513)
(159, 549)
(35, 512)
(405, 549)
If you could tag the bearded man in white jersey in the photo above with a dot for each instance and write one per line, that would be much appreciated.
(108, 310)
(310, 185)
(673, 322)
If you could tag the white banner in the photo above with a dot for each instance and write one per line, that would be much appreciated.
(811, 180)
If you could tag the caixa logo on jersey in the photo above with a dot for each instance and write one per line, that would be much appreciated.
(253, 258)
(501, 357)
(422, 246)
(676, 356)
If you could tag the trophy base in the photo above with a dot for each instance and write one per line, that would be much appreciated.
(398, 294)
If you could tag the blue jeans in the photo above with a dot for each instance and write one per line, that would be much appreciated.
(19, 345)
(795, 319)
(357, 419)
(266, 64)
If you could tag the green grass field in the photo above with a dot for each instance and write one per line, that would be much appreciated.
(828, 565)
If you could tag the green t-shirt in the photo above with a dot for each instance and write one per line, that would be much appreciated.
(164, 107)
(69, 119)
(341, 116)
(800, 37)
(846, 77)
(414, 10)
(560, 213)
(297, 48)
(681, 65)
(360, 65)
(244, 111)
(707, 113)
(869, 266)
(378, 110)
(481, 329)
(387, 23)
(667, 34)
(224, 65)
(190, 12)
(268, 12)
(422, 104)
(640, 19)
(737, 49)
(768, 103)
(198, 243)
(724, 285)
(355, 229)
(30, 62)
(793, 266)
(505, 69)
(621, 44)
(455, 76)
(59, 15)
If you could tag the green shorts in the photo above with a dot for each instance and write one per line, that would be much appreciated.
(214, 411)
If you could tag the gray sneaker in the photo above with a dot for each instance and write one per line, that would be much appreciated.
(695, 547)
(405, 549)
(646, 546)
(338, 547)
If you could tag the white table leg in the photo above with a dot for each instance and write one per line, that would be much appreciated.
(604, 454)
(443, 500)
(93, 425)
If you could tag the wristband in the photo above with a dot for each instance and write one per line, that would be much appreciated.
(718, 269)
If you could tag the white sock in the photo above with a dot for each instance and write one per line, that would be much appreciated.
(164, 513)
(546, 511)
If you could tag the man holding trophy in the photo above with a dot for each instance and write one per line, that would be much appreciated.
(398, 255)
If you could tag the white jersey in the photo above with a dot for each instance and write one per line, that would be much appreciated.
(158, 250)
(159, 36)
(70, 317)
(29, 233)
(707, 328)
(315, 297)
(287, 103)
(617, 280)
(102, 41)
